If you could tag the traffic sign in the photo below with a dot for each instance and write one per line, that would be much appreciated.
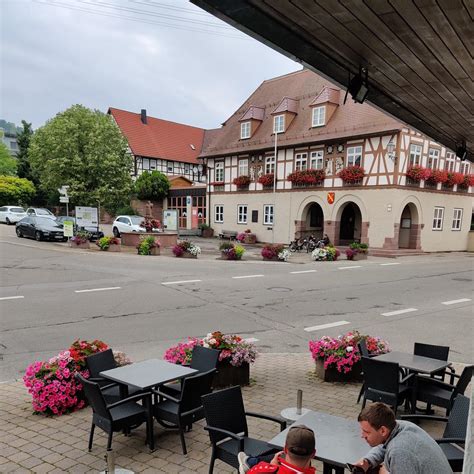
(64, 199)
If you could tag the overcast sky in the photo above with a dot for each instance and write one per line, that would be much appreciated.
(129, 54)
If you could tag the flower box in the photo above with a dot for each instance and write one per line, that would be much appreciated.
(187, 255)
(351, 175)
(332, 375)
(249, 238)
(186, 249)
(155, 251)
(82, 245)
(359, 256)
(229, 375)
(207, 233)
(115, 248)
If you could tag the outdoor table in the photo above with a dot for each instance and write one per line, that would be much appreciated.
(414, 363)
(338, 440)
(145, 375)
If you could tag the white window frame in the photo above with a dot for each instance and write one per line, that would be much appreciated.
(352, 153)
(319, 116)
(219, 213)
(278, 124)
(450, 162)
(242, 214)
(245, 130)
(268, 214)
(269, 164)
(243, 167)
(145, 164)
(433, 158)
(457, 219)
(438, 217)
(465, 167)
(301, 161)
(317, 160)
(415, 154)
(219, 172)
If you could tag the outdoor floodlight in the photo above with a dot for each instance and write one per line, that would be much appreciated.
(358, 86)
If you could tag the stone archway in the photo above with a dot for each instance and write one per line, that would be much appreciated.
(350, 224)
(409, 229)
(311, 221)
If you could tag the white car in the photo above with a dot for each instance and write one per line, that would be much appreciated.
(11, 214)
(40, 212)
(127, 224)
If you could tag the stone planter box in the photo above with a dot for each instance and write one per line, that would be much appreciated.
(250, 238)
(274, 259)
(132, 239)
(228, 375)
(153, 251)
(332, 375)
(187, 255)
(85, 245)
(360, 256)
(114, 248)
(207, 233)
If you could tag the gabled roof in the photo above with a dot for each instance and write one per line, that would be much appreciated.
(328, 94)
(286, 105)
(254, 112)
(159, 138)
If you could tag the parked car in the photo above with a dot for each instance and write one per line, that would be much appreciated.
(40, 228)
(40, 211)
(95, 233)
(11, 214)
(127, 224)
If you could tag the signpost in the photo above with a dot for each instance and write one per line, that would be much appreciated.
(87, 217)
(170, 220)
(64, 198)
(68, 229)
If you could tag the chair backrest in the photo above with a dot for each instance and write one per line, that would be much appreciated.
(225, 409)
(100, 361)
(94, 396)
(204, 359)
(431, 351)
(380, 375)
(465, 379)
(363, 348)
(194, 388)
(457, 421)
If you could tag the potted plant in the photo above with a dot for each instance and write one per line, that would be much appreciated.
(242, 182)
(110, 244)
(417, 173)
(151, 225)
(307, 177)
(231, 251)
(148, 246)
(468, 180)
(338, 359)
(272, 251)
(437, 176)
(81, 240)
(266, 180)
(186, 249)
(326, 254)
(246, 237)
(206, 230)
(357, 251)
(352, 174)
(454, 178)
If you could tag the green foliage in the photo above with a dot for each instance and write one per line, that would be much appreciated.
(84, 149)
(146, 244)
(204, 226)
(154, 186)
(226, 246)
(125, 210)
(105, 242)
(9, 127)
(239, 251)
(23, 138)
(362, 248)
(7, 162)
(16, 190)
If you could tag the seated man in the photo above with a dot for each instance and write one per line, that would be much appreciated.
(294, 459)
(398, 447)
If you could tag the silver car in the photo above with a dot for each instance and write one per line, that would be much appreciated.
(11, 214)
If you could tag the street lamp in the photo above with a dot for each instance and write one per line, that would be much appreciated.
(391, 150)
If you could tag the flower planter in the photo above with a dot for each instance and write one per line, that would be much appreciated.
(154, 251)
(250, 238)
(207, 233)
(114, 248)
(84, 245)
(359, 256)
(228, 375)
(132, 239)
(273, 259)
(332, 375)
(187, 255)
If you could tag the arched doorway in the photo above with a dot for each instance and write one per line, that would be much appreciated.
(409, 230)
(350, 226)
(312, 221)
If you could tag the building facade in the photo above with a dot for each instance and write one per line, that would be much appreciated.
(310, 188)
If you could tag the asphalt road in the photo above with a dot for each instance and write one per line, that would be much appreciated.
(142, 305)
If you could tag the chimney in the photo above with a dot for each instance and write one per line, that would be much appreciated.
(143, 116)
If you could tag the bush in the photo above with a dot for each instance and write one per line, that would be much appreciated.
(154, 185)
(16, 190)
(105, 242)
(147, 244)
(126, 210)
(271, 252)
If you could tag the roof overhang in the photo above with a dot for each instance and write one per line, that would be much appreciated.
(417, 53)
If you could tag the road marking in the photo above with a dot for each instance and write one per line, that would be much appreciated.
(348, 268)
(387, 264)
(247, 276)
(12, 297)
(462, 300)
(400, 311)
(325, 326)
(251, 339)
(179, 282)
(304, 271)
(98, 289)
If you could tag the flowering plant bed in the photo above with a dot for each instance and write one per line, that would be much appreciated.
(81, 240)
(418, 173)
(351, 174)
(307, 177)
(186, 249)
(148, 245)
(437, 176)
(246, 237)
(231, 251)
(468, 180)
(109, 243)
(151, 225)
(273, 252)
(454, 178)
(242, 181)
(329, 254)
(338, 359)
(266, 180)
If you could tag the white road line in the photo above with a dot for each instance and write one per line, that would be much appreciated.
(12, 298)
(348, 268)
(325, 326)
(98, 289)
(304, 271)
(247, 276)
(462, 300)
(179, 282)
(387, 264)
(400, 311)
(251, 339)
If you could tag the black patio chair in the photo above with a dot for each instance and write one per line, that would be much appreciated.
(454, 433)
(439, 393)
(364, 352)
(228, 430)
(180, 413)
(125, 414)
(434, 352)
(382, 383)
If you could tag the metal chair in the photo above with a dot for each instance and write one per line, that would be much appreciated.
(180, 413)
(228, 430)
(122, 415)
(454, 432)
(364, 352)
(382, 383)
(434, 352)
(439, 393)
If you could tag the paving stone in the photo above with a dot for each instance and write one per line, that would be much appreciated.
(31, 462)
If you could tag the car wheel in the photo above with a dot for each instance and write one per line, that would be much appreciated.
(38, 236)
(18, 232)
(116, 232)
(7, 220)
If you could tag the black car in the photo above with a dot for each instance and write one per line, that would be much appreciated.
(40, 228)
(95, 233)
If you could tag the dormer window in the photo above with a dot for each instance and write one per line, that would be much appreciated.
(245, 130)
(319, 116)
(279, 124)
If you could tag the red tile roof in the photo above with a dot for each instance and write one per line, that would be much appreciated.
(328, 94)
(159, 138)
(256, 113)
(286, 105)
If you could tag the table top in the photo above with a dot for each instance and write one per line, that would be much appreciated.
(148, 373)
(415, 363)
(338, 440)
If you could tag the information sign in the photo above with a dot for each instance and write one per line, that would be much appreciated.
(87, 217)
(68, 228)
(170, 220)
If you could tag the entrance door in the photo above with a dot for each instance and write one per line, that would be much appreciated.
(347, 223)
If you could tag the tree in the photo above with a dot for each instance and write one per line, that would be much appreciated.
(84, 149)
(15, 190)
(23, 139)
(154, 185)
(7, 162)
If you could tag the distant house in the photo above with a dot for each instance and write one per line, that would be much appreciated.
(9, 139)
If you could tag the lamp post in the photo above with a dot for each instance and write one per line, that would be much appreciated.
(274, 185)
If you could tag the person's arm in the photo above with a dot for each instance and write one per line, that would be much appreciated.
(374, 457)
(401, 461)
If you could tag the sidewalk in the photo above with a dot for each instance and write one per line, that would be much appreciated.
(33, 443)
